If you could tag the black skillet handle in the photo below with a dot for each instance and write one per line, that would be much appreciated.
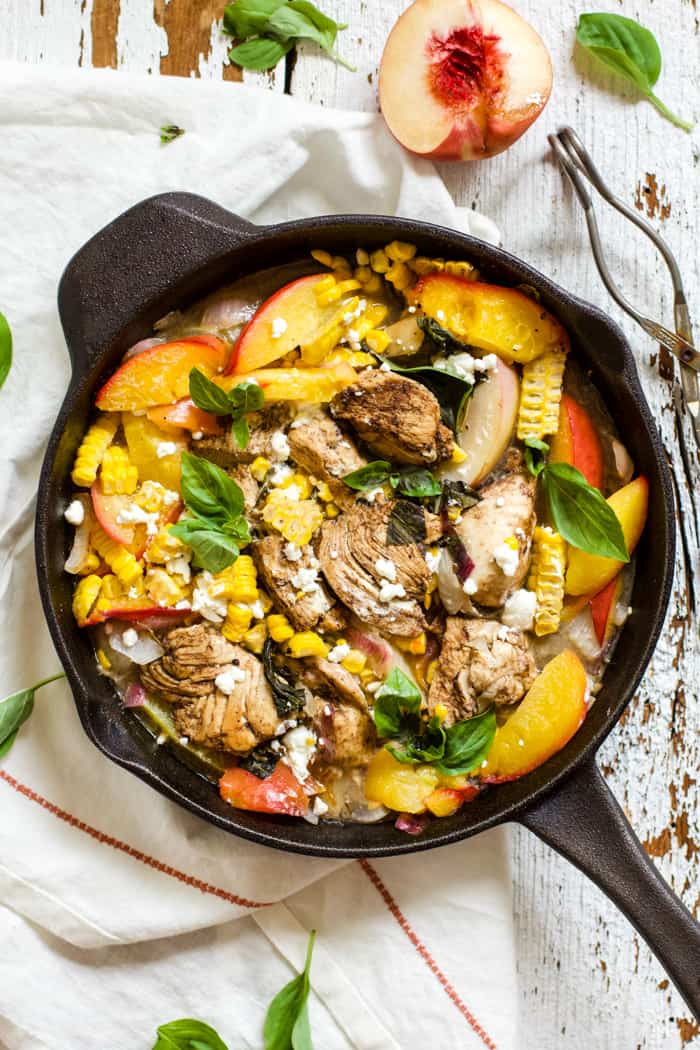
(584, 822)
(132, 264)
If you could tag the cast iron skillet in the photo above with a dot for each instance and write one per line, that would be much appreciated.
(176, 247)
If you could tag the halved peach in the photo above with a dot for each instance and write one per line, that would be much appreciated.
(577, 442)
(553, 709)
(183, 415)
(488, 425)
(490, 317)
(154, 452)
(295, 310)
(161, 375)
(315, 385)
(462, 79)
(603, 607)
(589, 573)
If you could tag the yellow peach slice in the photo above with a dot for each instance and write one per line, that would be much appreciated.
(589, 573)
(398, 786)
(315, 385)
(161, 375)
(154, 452)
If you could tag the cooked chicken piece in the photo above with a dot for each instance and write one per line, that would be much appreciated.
(248, 485)
(221, 697)
(366, 573)
(346, 734)
(397, 417)
(497, 533)
(321, 448)
(291, 576)
(481, 663)
(224, 450)
(331, 680)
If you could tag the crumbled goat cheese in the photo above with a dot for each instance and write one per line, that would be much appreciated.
(319, 807)
(440, 315)
(387, 591)
(227, 681)
(75, 513)
(386, 568)
(339, 652)
(306, 580)
(469, 586)
(279, 445)
(432, 560)
(489, 363)
(279, 327)
(130, 637)
(288, 723)
(292, 552)
(160, 739)
(184, 740)
(372, 494)
(519, 610)
(500, 502)
(135, 515)
(503, 633)
(353, 335)
(300, 748)
(197, 435)
(180, 565)
(464, 366)
(280, 473)
(412, 309)
(292, 492)
(205, 599)
(507, 559)
(166, 448)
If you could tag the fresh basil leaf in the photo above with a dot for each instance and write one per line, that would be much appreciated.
(536, 453)
(580, 513)
(241, 432)
(301, 20)
(169, 132)
(416, 482)
(260, 53)
(322, 22)
(5, 349)
(459, 494)
(406, 524)
(246, 397)
(426, 746)
(213, 549)
(286, 1024)
(398, 698)
(15, 709)
(630, 50)
(451, 392)
(208, 491)
(369, 477)
(238, 529)
(468, 744)
(207, 395)
(248, 17)
(188, 1034)
(288, 696)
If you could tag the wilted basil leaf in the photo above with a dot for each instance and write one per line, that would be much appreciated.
(428, 745)
(406, 524)
(468, 744)
(459, 494)
(416, 482)
(288, 696)
(451, 392)
(261, 761)
(398, 698)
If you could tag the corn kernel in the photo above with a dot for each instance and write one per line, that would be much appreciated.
(454, 513)
(306, 643)
(120, 560)
(279, 627)
(462, 269)
(324, 258)
(354, 662)
(103, 660)
(163, 547)
(299, 481)
(91, 563)
(458, 456)
(379, 261)
(296, 520)
(238, 582)
(378, 340)
(259, 468)
(324, 492)
(512, 542)
(111, 588)
(237, 622)
(422, 265)
(430, 672)
(85, 596)
(255, 638)
(265, 601)
(118, 475)
(374, 284)
(400, 251)
(361, 257)
(412, 645)
(440, 712)
(163, 589)
(362, 274)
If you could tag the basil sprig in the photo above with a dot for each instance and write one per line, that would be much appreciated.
(536, 453)
(5, 349)
(269, 29)
(630, 50)
(414, 482)
(458, 749)
(170, 132)
(188, 1034)
(237, 403)
(15, 709)
(215, 527)
(287, 1021)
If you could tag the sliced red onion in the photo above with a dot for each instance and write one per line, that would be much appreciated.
(143, 344)
(412, 825)
(145, 649)
(134, 695)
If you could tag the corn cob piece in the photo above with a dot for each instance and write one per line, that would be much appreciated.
(306, 643)
(237, 622)
(546, 578)
(540, 395)
(239, 582)
(120, 560)
(254, 639)
(118, 474)
(297, 520)
(164, 589)
(279, 628)
(92, 449)
(86, 594)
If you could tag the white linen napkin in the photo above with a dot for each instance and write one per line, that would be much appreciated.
(115, 904)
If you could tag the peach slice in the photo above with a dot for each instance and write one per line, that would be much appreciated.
(107, 510)
(154, 452)
(577, 442)
(589, 573)
(398, 786)
(462, 79)
(488, 425)
(281, 792)
(160, 376)
(603, 607)
(183, 415)
(315, 385)
(136, 609)
(490, 317)
(553, 709)
(296, 311)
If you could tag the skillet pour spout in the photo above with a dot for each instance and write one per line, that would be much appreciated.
(176, 247)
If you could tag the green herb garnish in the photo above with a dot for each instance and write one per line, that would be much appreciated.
(406, 524)
(269, 29)
(414, 482)
(215, 528)
(451, 392)
(188, 1034)
(5, 349)
(287, 1020)
(261, 761)
(15, 709)
(170, 132)
(536, 453)
(630, 50)
(289, 698)
(237, 403)
(581, 514)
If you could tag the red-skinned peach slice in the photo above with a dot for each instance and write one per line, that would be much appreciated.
(603, 609)
(161, 375)
(553, 709)
(135, 609)
(462, 79)
(577, 442)
(281, 792)
(589, 573)
(183, 415)
(488, 425)
(295, 304)
(495, 319)
(107, 510)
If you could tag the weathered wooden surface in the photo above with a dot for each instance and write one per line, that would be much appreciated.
(586, 980)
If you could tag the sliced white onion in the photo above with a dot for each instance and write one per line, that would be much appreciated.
(451, 591)
(624, 467)
(369, 816)
(145, 650)
(143, 344)
(77, 558)
(227, 313)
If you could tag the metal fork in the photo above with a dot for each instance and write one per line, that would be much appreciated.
(577, 165)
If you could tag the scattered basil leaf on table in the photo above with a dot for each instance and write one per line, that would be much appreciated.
(629, 49)
(15, 709)
(536, 453)
(269, 29)
(215, 528)
(260, 53)
(248, 17)
(287, 1020)
(237, 403)
(5, 349)
(169, 132)
(581, 514)
(467, 744)
(188, 1034)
